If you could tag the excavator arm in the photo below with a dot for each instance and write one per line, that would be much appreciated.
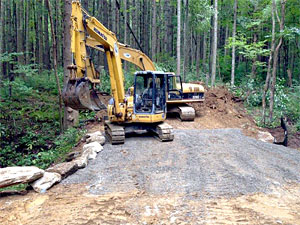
(83, 74)
(128, 54)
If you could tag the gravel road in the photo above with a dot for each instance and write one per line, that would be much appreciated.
(198, 164)
(202, 177)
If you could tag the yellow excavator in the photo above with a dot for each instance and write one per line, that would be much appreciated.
(179, 94)
(145, 107)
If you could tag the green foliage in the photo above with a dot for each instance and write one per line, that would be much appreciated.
(29, 118)
(200, 14)
(17, 187)
(165, 62)
(286, 100)
(248, 49)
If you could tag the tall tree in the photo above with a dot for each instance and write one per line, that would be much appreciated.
(2, 19)
(233, 46)
(47, 3)
(20, 19)
(27, 30)
(215, 42)
(185, 37)
(154, 30)
(46, 40)
(71, 116)
(275, 61)
(268, 77)
(178, 36)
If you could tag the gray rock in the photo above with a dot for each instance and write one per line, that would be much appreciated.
(95, 137)
(89, 152)
(46, 182)
(81, 161)
(64, 169)
(16, 175)
(94, 146)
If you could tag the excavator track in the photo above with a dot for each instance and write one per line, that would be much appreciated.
(114, 133)
(186, 113)
(164, 132)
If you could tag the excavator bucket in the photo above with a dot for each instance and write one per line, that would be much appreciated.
(78, 95)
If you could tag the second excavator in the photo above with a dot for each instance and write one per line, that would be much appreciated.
(145, 107)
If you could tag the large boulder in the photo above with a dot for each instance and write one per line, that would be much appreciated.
(64, 169)
(95, 137)
(17, 175)
(89, 151)
(81, 161)
(46, 182)
(94, 146)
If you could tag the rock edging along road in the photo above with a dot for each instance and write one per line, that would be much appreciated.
(198, 164)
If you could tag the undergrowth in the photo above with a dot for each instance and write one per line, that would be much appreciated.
(29, 121)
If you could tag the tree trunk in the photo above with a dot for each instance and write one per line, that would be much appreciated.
(204, 54)
(198, 53)
(71, 116)
(233, 47)
(46, 41)
(85, 4)
(185, 38)
(134, 23)
(290, 77)
(47, 3)
(253, 68)
(225, 41)
(275, 61)
(215, 42)
(154, 31)
(58, 29)
(27, 43)
(267, 83)
(125, 30)
(178, 36)
(2, 20)
(19, 17)
(40, 33)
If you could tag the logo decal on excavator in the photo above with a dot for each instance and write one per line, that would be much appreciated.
(127, 55)
(101, 34)
(116, 49)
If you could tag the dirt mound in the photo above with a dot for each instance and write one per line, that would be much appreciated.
(221, 109)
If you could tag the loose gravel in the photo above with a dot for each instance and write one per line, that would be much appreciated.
(197, 164)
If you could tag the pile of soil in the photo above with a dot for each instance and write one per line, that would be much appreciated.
(220, 109)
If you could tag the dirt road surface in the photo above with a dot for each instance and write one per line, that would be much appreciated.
(203, 177)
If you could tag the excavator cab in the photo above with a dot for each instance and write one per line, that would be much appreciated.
(174, 87)
(150, 92)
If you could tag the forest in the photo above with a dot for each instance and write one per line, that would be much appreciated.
(250, 46)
